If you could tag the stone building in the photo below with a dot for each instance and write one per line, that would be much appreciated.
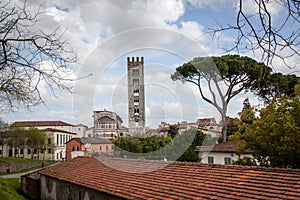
(136, 95)
(107, 124)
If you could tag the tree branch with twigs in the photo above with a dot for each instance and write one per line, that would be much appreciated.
(30, 58)
(258, 31)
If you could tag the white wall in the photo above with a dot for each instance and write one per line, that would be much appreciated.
(219, 157)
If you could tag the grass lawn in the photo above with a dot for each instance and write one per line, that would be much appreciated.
(10, 189)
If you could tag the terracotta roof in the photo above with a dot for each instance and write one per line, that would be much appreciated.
(206, 122)
(224, 147)
(91, 140)
(179, 180)
(40, 123)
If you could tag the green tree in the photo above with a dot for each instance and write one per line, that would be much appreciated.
(173, 131)
(274, 136)
(35, 140)
(190, 155)
(225, 76)
(277, 85)
(123, 145)
(232, 126)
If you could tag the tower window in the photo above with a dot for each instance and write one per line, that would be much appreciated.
(135, 72)
(135, 81)
(136, 111)
(136, 92)
(136, 102)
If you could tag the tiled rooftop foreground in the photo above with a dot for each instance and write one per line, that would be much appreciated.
(178, 180)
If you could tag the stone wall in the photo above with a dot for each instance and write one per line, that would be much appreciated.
(12, 167)
(30, 186)
(53, 189)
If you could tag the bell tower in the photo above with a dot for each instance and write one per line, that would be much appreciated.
(136, 95)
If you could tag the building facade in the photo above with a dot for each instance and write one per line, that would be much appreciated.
(136, 95)
(107, 124)
(222, 153)
(88, 146)
(57, 134)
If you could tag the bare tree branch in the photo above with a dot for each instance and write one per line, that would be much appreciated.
(258, 32)
(30, 58)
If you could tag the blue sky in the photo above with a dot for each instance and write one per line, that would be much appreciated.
(165, 33)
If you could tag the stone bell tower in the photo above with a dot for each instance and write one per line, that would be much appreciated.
(136, 95)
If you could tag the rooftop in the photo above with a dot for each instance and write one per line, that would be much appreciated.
(40, 123)
(178, 180)
(224, 147)
(58, 130)
(91, 140)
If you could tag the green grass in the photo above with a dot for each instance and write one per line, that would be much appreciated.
(10, 189)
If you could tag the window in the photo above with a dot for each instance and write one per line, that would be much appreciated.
(73, 148)
(77, 148)
(227, 160)
(57, 139)
(49, 140)
(112, 147)
(135, 72)
(34, 151)
(210, 160)
(78, 129)
(136, 92)
(60, 139)
(49, 150)
(64, 139)
(21, 151)
(0, 151)
(106, 148)
(136, 111)
(100, 148)
(28, 151)
(136, 102)
(135, 81)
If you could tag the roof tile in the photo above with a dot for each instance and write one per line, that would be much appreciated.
(178, 180)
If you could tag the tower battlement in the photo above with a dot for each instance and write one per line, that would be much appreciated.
(131, 60)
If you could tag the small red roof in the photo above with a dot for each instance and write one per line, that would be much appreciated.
(224, 147)
(177, 180)
(40, 123)
(91, 140)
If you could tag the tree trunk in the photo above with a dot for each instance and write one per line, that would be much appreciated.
(224, 128)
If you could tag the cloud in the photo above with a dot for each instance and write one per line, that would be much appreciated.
(104, 33)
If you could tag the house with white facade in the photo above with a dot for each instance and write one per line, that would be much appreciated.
(58, 133)
(222, 153)
(81, 130)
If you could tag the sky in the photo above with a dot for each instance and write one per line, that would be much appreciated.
(167, 33)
